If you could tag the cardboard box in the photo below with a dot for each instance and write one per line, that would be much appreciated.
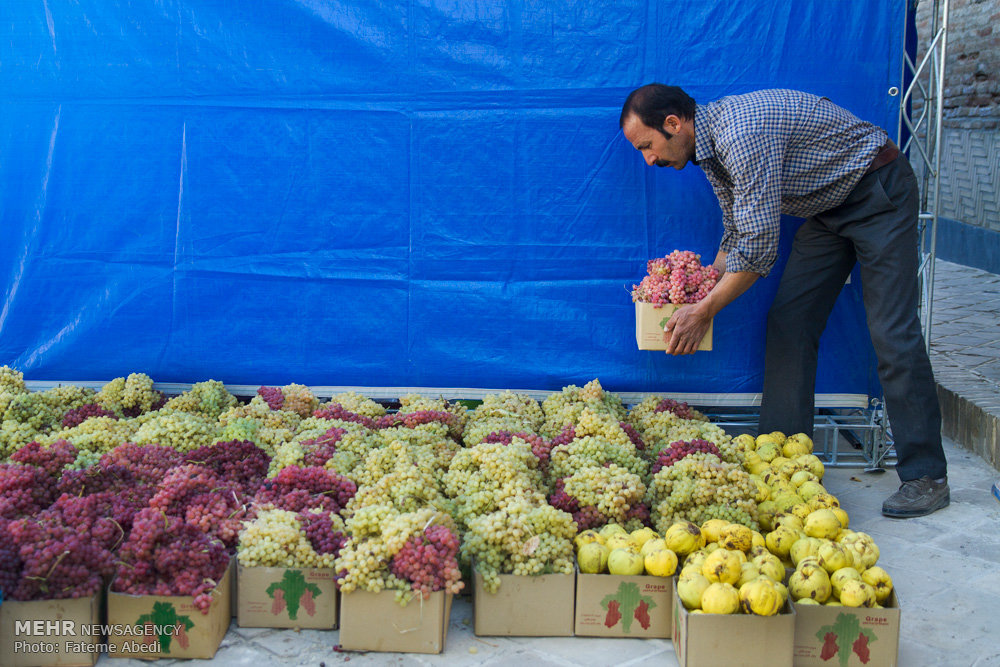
(540, 606)
(734, 640)
(649, 322)
(610, 605)
(280, 597)
(50, 632)
(834, 631)
(168, 626)
(376, 622)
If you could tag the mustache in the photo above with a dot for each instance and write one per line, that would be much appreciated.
(661, 163)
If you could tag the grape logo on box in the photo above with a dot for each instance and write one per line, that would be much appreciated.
(626, 605)
(843, 637)
(164, 617)
(292, 591)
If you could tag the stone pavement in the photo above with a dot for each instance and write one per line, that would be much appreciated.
(965, 354)
(946, 566)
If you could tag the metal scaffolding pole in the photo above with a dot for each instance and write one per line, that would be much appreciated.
(925, 129)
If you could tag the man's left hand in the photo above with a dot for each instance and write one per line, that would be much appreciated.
(685, 329)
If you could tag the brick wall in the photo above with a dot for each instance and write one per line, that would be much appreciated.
(970, 150)
(972, 71)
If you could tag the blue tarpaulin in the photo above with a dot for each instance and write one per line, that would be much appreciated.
(387, 194)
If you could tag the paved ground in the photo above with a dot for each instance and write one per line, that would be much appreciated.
(946, 566)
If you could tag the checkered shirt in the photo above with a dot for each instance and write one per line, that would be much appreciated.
(777, 151)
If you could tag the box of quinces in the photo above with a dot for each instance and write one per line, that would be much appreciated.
(717, 634)
(169, 626)
(286, 597)
(50, 632)
(866, 635)
(378, 622)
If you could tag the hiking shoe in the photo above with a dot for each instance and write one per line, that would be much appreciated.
(917, 497)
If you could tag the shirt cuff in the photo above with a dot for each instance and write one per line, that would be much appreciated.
(737, 261)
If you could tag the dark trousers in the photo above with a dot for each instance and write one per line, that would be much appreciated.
(877, 227)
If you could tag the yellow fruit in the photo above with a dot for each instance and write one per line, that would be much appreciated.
(652, 545)
(832, 603)
(804, 547)
(689, 570)
(833, 556)
(786, 467)
(756, 540)
(765, 515)
(810, 489)
(862, 547)
(856, 593)
(778, 436)
(696, 558)
(785, 501)
(640, 536)
(625, 561)
(796, 445)
(842, 516)
(788, 520)
(711, 528)
(618, 541)
(587, 537)
(720, 598)
(746, 442)
(783, 590)
(593, 558)
(722, 566)
(841, 577)
(807, 601)
(660, 563)
(684, 537)
(800, 477)
(763, 490)
(780, 540)
(822, 523)
(610, 529)
(736, 536)
(821, 500)
(810, 581)
(880, 581)
(748, 572)
(768, 450)
(812, 463)
(690, 589)
(760, 597)
(770, 566)
(800, 510)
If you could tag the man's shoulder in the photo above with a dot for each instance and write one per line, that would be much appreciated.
(768, 99)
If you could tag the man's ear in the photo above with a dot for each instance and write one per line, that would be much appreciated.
(672, 125)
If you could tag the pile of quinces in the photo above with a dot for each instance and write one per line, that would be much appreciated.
(730, 571)
(808, 530)
(613, 550)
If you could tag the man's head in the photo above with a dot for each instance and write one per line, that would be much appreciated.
(658, 121)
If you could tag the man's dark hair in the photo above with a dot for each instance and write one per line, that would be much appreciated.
(653, 102)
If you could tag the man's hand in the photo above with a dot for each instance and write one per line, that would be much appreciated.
(685, 329)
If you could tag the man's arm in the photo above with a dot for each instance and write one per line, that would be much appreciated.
(689, 325)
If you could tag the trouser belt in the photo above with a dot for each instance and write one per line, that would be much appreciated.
(886, 154)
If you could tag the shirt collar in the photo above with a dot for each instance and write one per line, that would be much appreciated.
(704, 145)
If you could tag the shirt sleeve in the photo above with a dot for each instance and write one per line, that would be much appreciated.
(754, 164)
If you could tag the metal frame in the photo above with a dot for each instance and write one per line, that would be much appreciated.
(928, 147)
(863, 431)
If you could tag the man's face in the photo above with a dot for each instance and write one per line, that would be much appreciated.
(656, 149)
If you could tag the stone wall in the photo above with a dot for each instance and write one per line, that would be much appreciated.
(970, 151)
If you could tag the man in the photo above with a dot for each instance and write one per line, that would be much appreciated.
(784, 151)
